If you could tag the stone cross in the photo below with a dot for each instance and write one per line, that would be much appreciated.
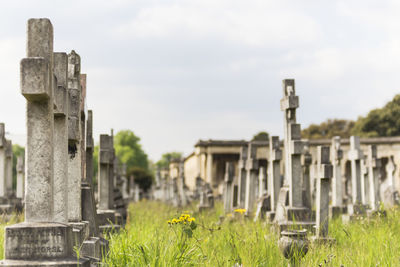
(307, 160)
(74, 139)
(60, 137)
(389, 191)
(274, 176)
(228, 188)
(355, 155)
(242, 176)
(293, 144)
(364, 181)
(374, 165)
(2, 161)
(37, 88)
(89, 148)
(20, 177)
(9, 168)
(323, 183)
(105, 185)
(337, 183)
(251, 178)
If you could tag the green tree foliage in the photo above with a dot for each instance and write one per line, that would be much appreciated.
(143, 178)
(261, 136)
(17, 151)
(129, 150)
(167, 157)
(380, 122)
(328, 129)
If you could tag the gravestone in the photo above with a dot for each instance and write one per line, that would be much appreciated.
(290, 208)
(337, 206)
(388, 189)
(264, 199)
(20, 177)
(306, 162)
(182, 194)
(374, 165)
(228, 186)
(242, 176)
(355, 156)
(3, 167)
(60, 137)
(9, 166)
(274, 175)
(251, 178)
(39, 241)
(325, 172)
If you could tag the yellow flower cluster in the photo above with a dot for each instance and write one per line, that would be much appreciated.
(184, 218)
(241, 211)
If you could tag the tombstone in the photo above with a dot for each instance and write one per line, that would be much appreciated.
(206, 198)
(274, 175)
(251, 178)
(106, 215)
(175, 193)
(355, 155)
(374, 165)
(325, 172)
(291, 209)
(210, 196)
(390, 195)
(242, 176)
(306, 162)
(125, 193)
(39, 240)
(61, 99)
(20, 177)
(228, 188)
(9, 167)
(3, 166)
(364, 181)
(182, 193)
(337, 206)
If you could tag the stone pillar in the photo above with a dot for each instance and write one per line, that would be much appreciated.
(9, 167)
(83, 78)
(74, 138)
(20, 177)
(89, 148)
(252, 173)
(274, 174)
(364, 181)
(337, 182)
(209, 168)
(2, 161)
(183, 198)
(374, 165)
(307, 160)
(37, 88)
(242, 176)
(105, 202)
(389, 192)
(323, 183)
(293, 144)
(228, 188)
(125, 194)
(60, 138)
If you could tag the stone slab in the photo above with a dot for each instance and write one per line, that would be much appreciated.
(65, 262)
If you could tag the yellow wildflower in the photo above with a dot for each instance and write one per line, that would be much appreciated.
(241, 211)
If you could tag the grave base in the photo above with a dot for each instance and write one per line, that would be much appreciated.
(105, 217)
(270, 216)
(50, 244)
(337, 211)
(323, 240)
(94, 248)
(70, 262)
(80, 232)
(290, 225)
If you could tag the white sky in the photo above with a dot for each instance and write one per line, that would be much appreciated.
(178, 71)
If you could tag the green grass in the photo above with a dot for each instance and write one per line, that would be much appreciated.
(149, 241)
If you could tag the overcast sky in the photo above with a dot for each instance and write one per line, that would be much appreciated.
(177, 71)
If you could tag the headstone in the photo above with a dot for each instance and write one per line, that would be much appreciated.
(60, 138)
(337, 182)
(228, 188)
(325, 172)
(242, 176)
(182, 193)
(39, 241)
(274, 175)
(3, 168)
(307, 160)
(388, 189)
(355, 156)
(364, 181)
(125, 193)
(252, 176)
(9, 167)
(74, 138)
(20, 177)
(374, 165)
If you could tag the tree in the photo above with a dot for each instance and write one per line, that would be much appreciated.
(261, 136)
(17, 151)
(380, 122)
(166, 158)
(328, 129)
(143, 178)
(129, 150)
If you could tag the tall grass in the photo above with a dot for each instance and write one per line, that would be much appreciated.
(148, 240)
